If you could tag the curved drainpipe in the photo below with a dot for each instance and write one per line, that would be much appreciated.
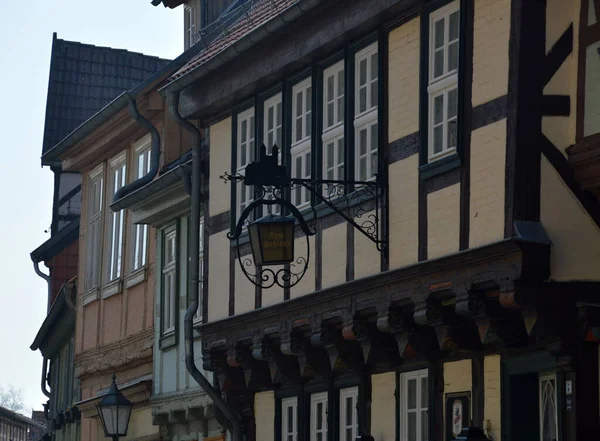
(46, 277)
(45, 390)
(199, 184)
(154, 153)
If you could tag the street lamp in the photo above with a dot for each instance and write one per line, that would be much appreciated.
(272, 240)
(115, 410)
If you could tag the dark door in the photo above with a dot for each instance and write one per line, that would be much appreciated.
(524, 408)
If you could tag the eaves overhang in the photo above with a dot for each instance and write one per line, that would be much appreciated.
(17, 416)
(62, 303)
(57, 242)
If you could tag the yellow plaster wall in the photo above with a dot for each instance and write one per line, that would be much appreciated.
(492, 388)
(220, 162)
(275, 293)
(458, 376)
(404, 60)
(491, 32)
(307, 284)
(334, 255)
(218, 276)
(367, 259)
(404, 212)
(383, 406)
(575, 253)
(264, 413)
(488, 175)
(443, 221)
(244, 291)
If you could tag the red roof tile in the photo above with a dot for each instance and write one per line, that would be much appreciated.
(258, 15)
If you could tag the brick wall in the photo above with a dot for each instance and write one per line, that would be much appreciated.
(63, 267)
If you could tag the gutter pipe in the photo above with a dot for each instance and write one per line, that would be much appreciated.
(199, 185)
(46, 277)
(45, 390)
(154, 155)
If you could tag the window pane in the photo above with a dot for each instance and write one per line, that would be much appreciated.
(438, 109)
(439, 33)
(412, 427)
(298, 103)
(329, 114)
(411, 393)
(438, 139)
(452, 103)
(307, 166)
(374, 66)
(374, 94)
(438, 63)
(454, 23)
(329, 155)
(362, 72)
(362, 100)
(243, 131)
(453, 56)
(330, 88)
(363, 169)
(374, 137)
(308, 125)
(298, 128)
(270, 118)
(424, 392)
(278, 114)
(319, 416)
(340, 109)
(373, 164)
(349, 408)
(290, 419)
(340, 150)
(252, 127)
(309, 99)
(363, 142)
(243, 159)
(452, 134)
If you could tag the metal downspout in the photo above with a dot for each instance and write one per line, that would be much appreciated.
(154, 152)
(199, 184)
(44, 377)
(46, 277)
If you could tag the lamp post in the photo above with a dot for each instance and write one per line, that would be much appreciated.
(114, 410)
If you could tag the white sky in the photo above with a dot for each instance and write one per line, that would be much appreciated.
(26, 29)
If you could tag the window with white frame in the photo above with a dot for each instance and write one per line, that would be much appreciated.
(333, 122)
(117, 176)
(289, 419)
(366, 115)
(444, 33)
(94, 227)
(140, 232)
(191, 21)
(198, 315)
(245, 155)
(318, 416)
(414, 403)
(348, 414)
(169, 279)
(273, 123)
(301, 139)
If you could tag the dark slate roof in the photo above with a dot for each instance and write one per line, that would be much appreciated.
(83, 79)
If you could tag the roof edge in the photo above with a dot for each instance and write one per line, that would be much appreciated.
(48, 249)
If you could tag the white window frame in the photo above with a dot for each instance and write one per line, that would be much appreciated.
(369, 117)
(315, 399)
(249, 148)
(301, 148)
(404, 378)
(350, 392)
(273, 102)
(191, 21)
(287, 403)
(169, 291)
(139, 251)
(114, 265)
(443, 84)
(335, 132)
(198, 315)
(94, 228)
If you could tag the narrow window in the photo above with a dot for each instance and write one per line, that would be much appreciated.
(169, 282)
(443, 81)
(190, 11)
(94, 227)
(348, 414)
(273, 123)
(301, 139)
(289, 419)
(414, 402)
(198, 316)
(318, 417)
(366, 115)
(117, 175)
(140, 233)
(245, 155)
(333, 122)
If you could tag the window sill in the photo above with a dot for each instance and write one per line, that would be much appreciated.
(440, 166)
(168, 340)
(112, 288)
(136, 277)
(90, 296)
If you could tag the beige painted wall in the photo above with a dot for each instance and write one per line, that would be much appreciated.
(218, 276)
(220, 162)
(575, 253)
(264, 412)
(404, 212)
(404, 58)
(307, 284)
(334, 255)
(458, 377)
(488, 175)
(274, 294)
(492, 388)
(443, 221)
(491, 32)
(383, 406)
(244, 292)
(367, 259)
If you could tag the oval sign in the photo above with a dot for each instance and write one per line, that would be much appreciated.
(457, 417)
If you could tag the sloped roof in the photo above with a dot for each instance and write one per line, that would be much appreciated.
(83, 79)
(260, 13)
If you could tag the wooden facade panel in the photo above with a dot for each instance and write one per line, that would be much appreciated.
(136, 303)
(488, 175)
(575, 237)
(112, 309)
(491, 29)
(220, 162)
(218, 277)
(307, 284)
(404, 59)
(90, 330)
(367, 259)
(167, 375)
(264, 413)
(404, 212)
(492, 393)
(443, 221)
(334, 251)
(383, 406)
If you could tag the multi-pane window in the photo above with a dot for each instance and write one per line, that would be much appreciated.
(140, 233)
(117, 176)
(289, 419)
(191, 15)
(443, 80)
(94, 227)
(198, 315)
(169, 279)
(318, 416)
(348, 414)
(414, 402)
(273, 123)
(245, 155)
(366, 115)
(301, 139)
(333, 122)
